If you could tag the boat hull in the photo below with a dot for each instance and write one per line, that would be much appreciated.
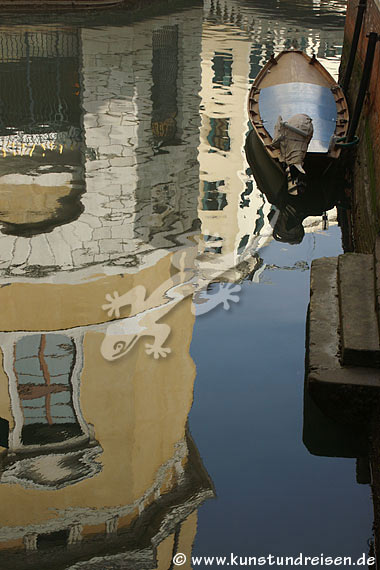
(294, 83)
(324, 180)
(269, 176)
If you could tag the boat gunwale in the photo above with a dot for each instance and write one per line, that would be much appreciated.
(255, 118)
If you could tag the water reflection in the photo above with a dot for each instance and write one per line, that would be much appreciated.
(96, 454)
(328, 436)
(125, 214)
(50, 445)
(258, 372)
(228, 211)
(62, 400)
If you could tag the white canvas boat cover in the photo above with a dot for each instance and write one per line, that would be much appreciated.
(293, 137)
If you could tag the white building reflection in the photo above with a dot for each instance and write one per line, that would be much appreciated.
(133, 188)
(237, 40)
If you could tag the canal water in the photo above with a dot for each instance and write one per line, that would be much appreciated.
(152, 331)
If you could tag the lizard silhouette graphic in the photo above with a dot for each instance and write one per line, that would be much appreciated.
(122, 334)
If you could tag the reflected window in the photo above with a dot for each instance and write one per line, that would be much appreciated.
(243, 244)
(244, 196)
(303, 43)
(213, 249)
(255, 60)
(218, 136)
(222, 66)
(213, 199)
(40, 88)
(213, 244)
(164, 88)
(52, 539)
(43, 366)
(51, 445)
(259, 221)
(4, 432)
(211, 238)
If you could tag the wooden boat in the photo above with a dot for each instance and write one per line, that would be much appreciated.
(325, 190)
(290, 84)
(325, 187)
(294, 83)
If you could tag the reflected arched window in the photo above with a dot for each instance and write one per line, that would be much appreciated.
(243, 244)
(43, 365)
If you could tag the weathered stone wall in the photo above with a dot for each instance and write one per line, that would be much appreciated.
(366, 171)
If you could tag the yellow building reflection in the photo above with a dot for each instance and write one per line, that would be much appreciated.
(98, 454)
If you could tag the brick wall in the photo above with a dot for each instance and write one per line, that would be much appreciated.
(366, 173)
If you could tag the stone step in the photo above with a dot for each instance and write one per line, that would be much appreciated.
(323, 341)
(323, 314)
(360, 345)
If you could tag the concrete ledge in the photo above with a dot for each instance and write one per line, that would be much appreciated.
(348, 375)
(323, 364)
(323, 323)
(360, 344)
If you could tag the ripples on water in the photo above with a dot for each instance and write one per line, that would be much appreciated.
(124, 193)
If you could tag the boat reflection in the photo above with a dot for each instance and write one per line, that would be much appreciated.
(325, 191)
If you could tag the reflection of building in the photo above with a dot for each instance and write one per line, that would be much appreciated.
(95, 455)
(142, 186)
(232, 211)
(308, 25)
(311, 24)
(237, 41)
(62, 400)
(140, 173)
